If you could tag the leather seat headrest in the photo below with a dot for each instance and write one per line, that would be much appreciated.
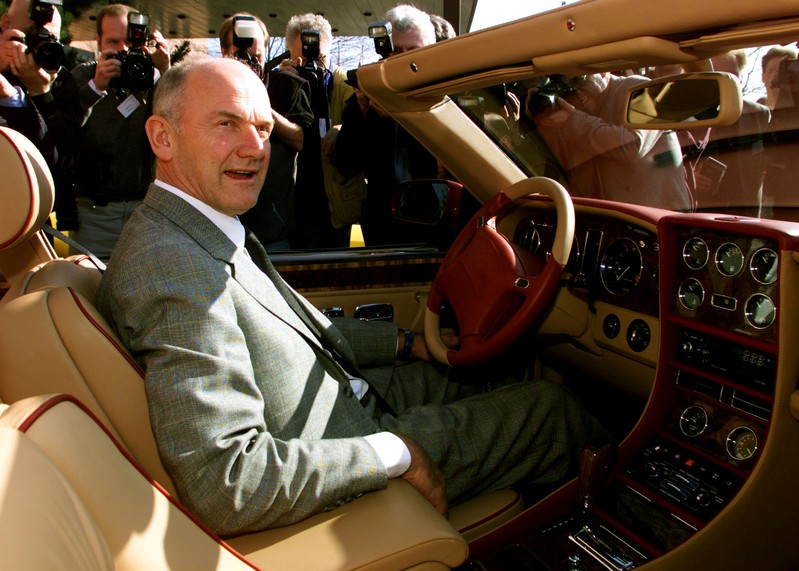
(26, 189)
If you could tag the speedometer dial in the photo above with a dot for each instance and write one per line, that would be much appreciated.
(621, 266)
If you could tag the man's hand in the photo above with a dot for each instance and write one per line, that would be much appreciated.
(6, 89)
(291, 65)
(419, 348)
(557, 117)
(12, 43)
(107, 69)
(425, 476)
(159, 53)
(34, 79)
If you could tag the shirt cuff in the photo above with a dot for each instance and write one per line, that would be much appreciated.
(17, 100)
(392, 452)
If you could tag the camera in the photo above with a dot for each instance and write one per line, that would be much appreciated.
(311, 40)
(137, 65)
(48, 53)
(245, 30)
(549, 89)
(315, 74)
(380, 32)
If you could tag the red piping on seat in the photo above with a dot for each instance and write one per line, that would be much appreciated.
(122, 351)
(30, 189)
(53, 401)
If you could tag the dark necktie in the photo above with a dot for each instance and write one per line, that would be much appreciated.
(261, 259)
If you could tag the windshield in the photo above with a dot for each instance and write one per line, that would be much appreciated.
(569, 129)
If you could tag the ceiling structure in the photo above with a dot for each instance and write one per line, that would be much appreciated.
(201, 18)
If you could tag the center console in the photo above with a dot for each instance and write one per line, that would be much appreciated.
(703, 430)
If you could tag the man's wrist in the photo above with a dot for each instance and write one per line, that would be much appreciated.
(392, 451)
(405, 344)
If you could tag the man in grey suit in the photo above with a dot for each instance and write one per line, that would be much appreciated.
(263, 410)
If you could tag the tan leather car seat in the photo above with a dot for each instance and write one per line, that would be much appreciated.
(55, 341)
(71, 497)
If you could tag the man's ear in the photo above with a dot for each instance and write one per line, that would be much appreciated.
(162, 137)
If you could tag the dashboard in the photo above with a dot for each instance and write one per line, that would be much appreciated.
(715, 291)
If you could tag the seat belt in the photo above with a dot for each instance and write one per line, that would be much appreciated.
(74, 245)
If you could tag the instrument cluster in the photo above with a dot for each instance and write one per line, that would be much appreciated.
(615, 259)
(729, 280)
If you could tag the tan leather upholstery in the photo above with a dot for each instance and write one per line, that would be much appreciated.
(55, 341)
(27, 199)
(72, 496)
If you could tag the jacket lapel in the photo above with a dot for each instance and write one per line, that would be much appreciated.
(241, 267)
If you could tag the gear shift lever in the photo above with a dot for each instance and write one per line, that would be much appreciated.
(595, 463)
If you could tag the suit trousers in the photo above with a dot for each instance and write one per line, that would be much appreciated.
(491, 436)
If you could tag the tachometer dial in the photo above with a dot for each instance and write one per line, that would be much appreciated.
(621, 266)
(741, 443)
(729, 259)
(695, 253)
(763, 266)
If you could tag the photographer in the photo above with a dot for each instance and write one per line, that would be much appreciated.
(244, 37)
(386, 152)
(603, 159)
(38, 97)
(114, 169)
(326, 203)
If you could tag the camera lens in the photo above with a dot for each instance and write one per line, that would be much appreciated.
(49, 56)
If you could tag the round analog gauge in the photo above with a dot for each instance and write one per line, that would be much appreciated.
(729, 259)
(693, 421)
(621, 266)
(531, 239)
(760, 311)
(763, 266)
(741, 443)
(691, 294)
(695, 253)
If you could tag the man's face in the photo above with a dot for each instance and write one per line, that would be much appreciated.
(115, 33)
(221, 147)
(295, 49)
(17, 19)
(409, 40)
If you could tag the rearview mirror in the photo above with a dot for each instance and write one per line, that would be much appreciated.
(428, 201)
(685, 101)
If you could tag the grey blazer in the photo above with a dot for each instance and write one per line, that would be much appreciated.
(254, 419)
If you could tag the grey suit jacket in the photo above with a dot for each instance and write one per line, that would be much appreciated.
(255, 421)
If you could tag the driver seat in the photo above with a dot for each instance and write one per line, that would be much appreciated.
(55, 341)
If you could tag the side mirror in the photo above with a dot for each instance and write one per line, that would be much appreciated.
(434, 202)
(685, 101)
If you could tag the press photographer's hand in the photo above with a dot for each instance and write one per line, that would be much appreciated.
(107, 69)
(159, 52)
(12, 42)
(35, 80)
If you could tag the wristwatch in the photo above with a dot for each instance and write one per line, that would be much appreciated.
(405, 353)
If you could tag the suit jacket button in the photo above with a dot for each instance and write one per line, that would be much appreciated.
(348, 392)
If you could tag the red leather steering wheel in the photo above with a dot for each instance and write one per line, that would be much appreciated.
(495, 288)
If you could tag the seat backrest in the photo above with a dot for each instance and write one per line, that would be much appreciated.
(52, 339)
(73, 498)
